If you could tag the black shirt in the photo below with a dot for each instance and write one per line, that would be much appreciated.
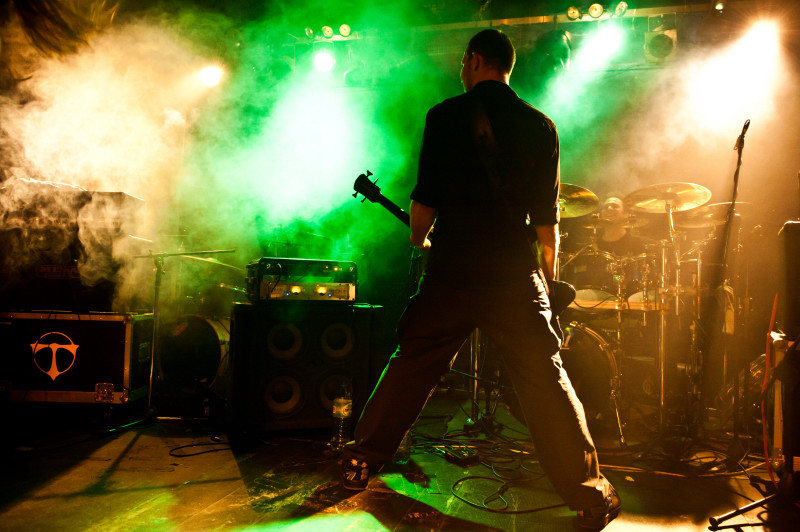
(477, 237)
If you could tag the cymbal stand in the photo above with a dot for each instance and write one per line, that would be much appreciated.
(474, 350)
(666, 291)
(158, 261)
(589, 245)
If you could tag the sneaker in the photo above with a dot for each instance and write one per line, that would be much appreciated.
(598, 517)
(354, 474)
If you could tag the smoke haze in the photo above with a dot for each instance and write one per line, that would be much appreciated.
(264, 163)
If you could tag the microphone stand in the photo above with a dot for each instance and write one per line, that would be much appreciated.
(729, 218)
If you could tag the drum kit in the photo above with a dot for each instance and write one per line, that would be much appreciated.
(190, 342)
(635, 332)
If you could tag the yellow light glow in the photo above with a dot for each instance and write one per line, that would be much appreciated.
(210, 76)
(741, 77)
(322, 290)
(296, 290)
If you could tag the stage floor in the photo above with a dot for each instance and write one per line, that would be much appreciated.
(72, 469)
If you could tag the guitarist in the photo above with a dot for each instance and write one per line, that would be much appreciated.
(478, 275)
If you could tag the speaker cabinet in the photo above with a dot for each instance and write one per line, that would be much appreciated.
(789, 293)
(290, 359)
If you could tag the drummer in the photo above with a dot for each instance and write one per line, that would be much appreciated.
(614, 235)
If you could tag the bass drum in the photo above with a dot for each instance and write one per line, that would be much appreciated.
(589, 361)
(194, 362)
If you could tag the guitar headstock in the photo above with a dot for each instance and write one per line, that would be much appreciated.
(365, 187)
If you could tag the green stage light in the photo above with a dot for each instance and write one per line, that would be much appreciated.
(324, 60)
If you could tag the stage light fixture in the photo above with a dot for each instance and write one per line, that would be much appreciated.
(719, 5)
(327, 32)
(596, 10)
(574, 13)
(620, 9)
(309, 32)
(344, 30)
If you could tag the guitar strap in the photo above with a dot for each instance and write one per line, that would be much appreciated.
(490, 157)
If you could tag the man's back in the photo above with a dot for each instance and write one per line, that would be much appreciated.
(477, 239)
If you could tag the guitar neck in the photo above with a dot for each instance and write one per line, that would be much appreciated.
(394, 209)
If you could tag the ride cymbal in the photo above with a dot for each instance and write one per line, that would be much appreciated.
(574, 201)
(708, 216)
(678, 196)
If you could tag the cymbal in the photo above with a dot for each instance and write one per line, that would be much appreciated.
(708, 216)
(574, 201)
(631, 222)
(216, 262)
(679, 196)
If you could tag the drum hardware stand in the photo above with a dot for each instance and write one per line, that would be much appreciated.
(667, 290)
(591, 244)
(158, 261)
(475, 349)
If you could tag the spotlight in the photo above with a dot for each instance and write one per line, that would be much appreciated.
(309, 32)
(596, 10)
(327, 32)
(324, 59)
(719, 5)
(344, 30)
(620, 9)
(574, 13)
(210, 76)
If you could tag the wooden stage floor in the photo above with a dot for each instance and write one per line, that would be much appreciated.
(72, 469)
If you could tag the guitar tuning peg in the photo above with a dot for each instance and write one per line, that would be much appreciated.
(363, 199)
(355, 194)
(369, 173)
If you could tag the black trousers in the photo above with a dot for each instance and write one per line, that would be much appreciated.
(434, 326)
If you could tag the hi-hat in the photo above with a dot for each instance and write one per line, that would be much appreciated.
(574, 201)
(678, 196)
(708, 216)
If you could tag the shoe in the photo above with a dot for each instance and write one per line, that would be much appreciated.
(598, 517)
(354, 474)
